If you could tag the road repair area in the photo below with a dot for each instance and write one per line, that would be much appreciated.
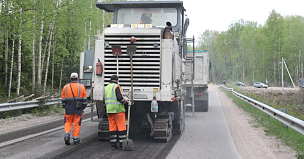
(225, 131)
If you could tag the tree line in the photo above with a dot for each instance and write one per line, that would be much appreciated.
(251, 52)
(41, 42)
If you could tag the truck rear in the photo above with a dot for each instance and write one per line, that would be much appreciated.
(198, 70)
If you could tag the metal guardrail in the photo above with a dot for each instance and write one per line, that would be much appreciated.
(28, 104)
(284, 118)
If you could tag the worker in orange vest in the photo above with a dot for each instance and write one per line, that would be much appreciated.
(74, 100)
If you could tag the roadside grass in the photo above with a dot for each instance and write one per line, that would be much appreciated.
(8, 114)
(47, 110)
(294, 104)
(271, 126)
(40, 111)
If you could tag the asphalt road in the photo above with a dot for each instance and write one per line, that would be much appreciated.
(206, 136)
(51, 145)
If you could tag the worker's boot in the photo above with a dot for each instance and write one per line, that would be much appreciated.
(113, 140)
(114, 146)
(120, 145)
(76, 140)
(122, 136)
(67, 138)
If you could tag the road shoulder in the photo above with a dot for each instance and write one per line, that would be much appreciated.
(250, 141)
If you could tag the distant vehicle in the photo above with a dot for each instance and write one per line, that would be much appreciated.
(240, 84)
(260, 85)
(224, 82)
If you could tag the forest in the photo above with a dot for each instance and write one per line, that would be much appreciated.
(251, 52)
(41, 42)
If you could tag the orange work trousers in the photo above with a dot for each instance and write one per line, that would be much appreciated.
(68, 122)
(117, 121)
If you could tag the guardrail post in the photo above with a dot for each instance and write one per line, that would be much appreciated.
(255, 102)
(284, 110)
(266, 113)
(19, 112)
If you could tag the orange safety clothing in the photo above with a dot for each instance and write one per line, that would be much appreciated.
(68, 101)
(71, 119)
(73, 115)
(117, 121)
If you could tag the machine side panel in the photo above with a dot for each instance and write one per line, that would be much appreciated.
(98, 83)
(86, 70)
(166, 69)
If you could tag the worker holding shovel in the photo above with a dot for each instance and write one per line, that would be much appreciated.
(114, 102)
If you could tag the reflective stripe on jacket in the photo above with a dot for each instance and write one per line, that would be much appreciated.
(112, 104)
(68, 100)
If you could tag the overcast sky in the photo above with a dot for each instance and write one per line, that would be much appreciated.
(219, 14)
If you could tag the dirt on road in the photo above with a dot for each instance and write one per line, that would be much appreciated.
(252, 142)
(285, 96)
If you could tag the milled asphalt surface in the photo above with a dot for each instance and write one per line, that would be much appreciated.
(36, 129)
(48, 144)
(206, 136)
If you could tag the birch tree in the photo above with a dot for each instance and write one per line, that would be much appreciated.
(11, 68)
(53, 62)
(40, 47)
(46, 44)
(48, 56)
(33, 48)
(19, 54)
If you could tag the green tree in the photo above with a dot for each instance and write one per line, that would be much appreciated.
(46, 33)
(273, 31)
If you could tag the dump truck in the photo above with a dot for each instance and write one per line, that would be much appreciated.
(196, 65)
(144, 46)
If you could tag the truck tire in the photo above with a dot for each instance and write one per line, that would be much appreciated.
(201, 106)
(198, 106)
(178, 126)
(205, 106)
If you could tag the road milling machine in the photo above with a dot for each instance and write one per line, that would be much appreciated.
(144, 46)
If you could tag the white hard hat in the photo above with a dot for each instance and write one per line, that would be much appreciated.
(74, 75)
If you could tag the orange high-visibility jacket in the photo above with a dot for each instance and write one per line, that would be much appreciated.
(68, 101)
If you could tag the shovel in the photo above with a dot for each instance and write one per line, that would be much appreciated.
(116, 50)
(127, 144)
